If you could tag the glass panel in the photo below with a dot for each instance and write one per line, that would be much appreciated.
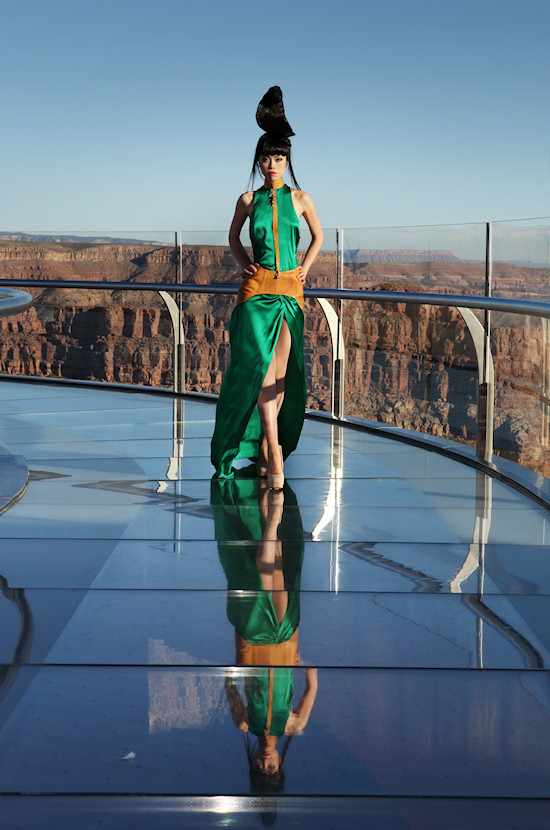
(207, 259)
(206, 328)
(421, 630)
(251, 811)
(89, 334)
(411, 366)
(520, 344)
(521, 352)
(521, 259)
(116, 336)
(435, 258)
(145, 256)
(135, 730)
(317, 340)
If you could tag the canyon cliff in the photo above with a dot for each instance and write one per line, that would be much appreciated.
(412, 366)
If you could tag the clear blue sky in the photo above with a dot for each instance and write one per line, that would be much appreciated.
(134, 115)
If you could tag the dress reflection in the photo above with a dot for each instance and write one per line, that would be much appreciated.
(263, 605)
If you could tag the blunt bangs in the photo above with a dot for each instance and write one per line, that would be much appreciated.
(273, 145)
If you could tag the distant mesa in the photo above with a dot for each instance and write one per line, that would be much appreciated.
(364, 255)
(60, 240)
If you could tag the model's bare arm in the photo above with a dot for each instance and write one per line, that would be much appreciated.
(242, 212)
(299, 718)
(305, 207)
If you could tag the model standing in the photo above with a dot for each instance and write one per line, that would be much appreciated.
(261, 407)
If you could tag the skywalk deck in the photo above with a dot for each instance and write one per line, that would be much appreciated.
(424, 594)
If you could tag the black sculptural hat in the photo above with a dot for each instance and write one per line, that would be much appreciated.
(270, 114)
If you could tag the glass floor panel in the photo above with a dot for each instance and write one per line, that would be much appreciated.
(327, 566)
(370, 732)
(189, 628)
(252, 811)
(136, 595)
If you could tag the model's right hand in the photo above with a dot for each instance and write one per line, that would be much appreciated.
(250, 270)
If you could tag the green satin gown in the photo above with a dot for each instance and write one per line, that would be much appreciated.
(254, 330)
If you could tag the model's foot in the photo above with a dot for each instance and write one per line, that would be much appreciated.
(275, 475)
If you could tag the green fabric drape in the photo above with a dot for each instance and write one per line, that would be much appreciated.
(254, 331)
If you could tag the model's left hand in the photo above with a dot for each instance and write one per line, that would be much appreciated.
(301, 275)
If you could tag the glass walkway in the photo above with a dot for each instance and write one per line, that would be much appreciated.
(418, 691)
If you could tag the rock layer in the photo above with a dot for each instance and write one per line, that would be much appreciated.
(412, 366)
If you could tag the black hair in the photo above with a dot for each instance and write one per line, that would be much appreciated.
(262, 782)
(270, 144)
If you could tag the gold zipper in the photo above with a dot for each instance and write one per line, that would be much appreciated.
(273, 200)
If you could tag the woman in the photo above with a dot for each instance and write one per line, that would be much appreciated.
(261, 407)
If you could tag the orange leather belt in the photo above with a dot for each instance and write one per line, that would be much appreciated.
(266, 654)
(265, 281)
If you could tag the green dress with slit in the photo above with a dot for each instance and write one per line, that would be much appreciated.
(254, 331)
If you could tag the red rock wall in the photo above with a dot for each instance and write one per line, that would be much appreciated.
(413, 366)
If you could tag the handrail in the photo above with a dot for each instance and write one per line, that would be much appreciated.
(462, 302)
(512, 306)
(14, 302)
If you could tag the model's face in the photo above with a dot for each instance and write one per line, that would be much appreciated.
(267, 760)
(272, 167)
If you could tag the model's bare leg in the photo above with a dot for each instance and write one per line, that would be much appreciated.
(279, 595)
(282, 351)
(270, 401)
(269, 557)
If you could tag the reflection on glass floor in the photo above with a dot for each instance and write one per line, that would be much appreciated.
(370, 644)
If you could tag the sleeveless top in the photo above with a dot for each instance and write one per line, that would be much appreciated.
(261, 228)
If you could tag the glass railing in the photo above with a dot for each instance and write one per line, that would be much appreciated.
(434, 258)
(520, 268)
(410, 366)
(521, 259)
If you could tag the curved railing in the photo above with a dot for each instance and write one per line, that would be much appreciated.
(463, 303)
(13, 302)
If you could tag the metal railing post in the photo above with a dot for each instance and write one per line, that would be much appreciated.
(338, 365)
(486, 390)
(178, 359)
(181, 344)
